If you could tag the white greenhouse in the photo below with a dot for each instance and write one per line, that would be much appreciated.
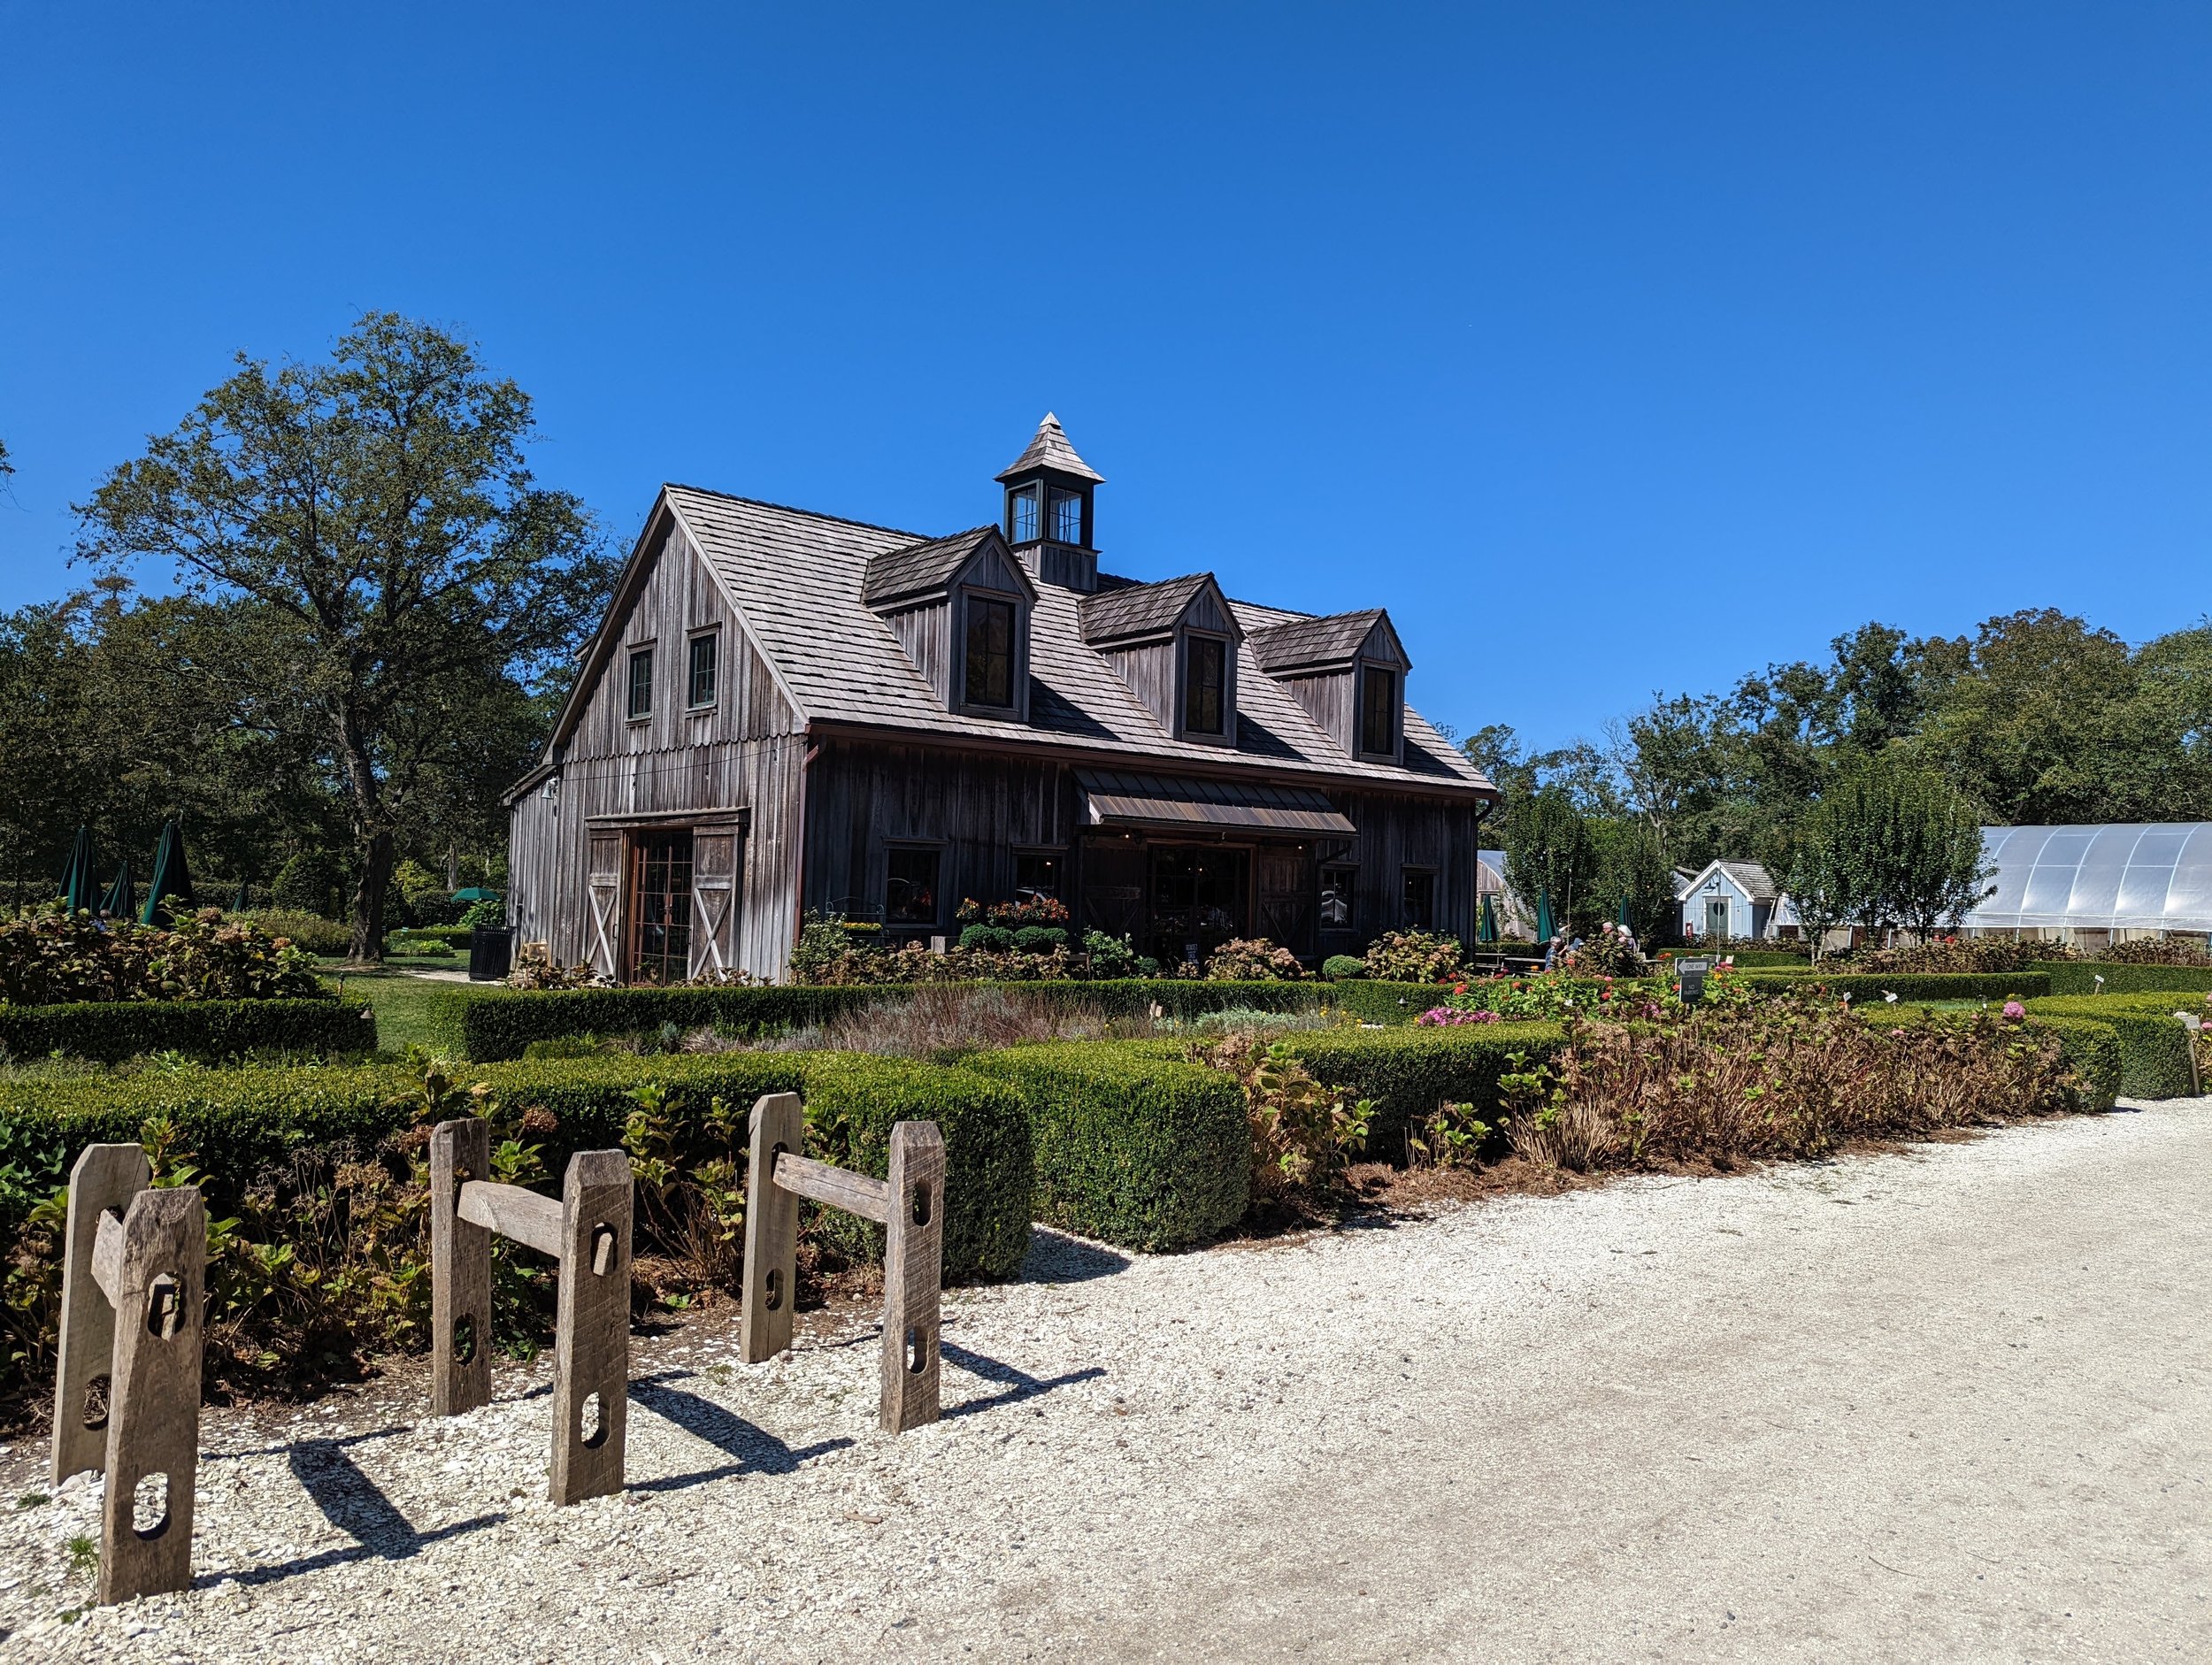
(2092, 885)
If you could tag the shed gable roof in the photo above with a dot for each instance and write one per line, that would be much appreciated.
(933, 566)
(795, 579)
(1329, 642)
(1129, 612)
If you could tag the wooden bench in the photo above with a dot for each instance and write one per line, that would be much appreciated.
(910, 1205)
(134, 1299)
(588, 1233)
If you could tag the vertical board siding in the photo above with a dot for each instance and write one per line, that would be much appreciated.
(744, 752)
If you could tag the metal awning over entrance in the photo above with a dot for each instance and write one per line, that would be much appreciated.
(1165, 803)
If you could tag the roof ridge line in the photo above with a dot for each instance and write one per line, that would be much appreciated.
(811, 514)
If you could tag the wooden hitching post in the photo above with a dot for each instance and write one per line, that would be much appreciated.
(460, 1271)
(771, 1228)
(591, 1346)
(103, 1181)
(913, 1268)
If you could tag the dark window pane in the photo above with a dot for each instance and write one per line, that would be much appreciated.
(990, 659)
(702, 650)
(1336, 898)
(1377, 709)
(641, 683)
(660, 905)
(1067, 516)
(1202, 675)
(1420, 901)
(1035, 876)
(1021, 515)
(910, 892)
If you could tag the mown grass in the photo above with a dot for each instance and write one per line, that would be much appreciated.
(403, 1003)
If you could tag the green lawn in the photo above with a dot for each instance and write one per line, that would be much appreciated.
(401, 1002)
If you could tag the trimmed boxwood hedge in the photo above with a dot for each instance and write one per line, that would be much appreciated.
(2153, 1048)
(1408, 1072)
(243, 1125)
(2079, 977)
(108, 1032)
(1132, 1147)
(1914, 986)
(490, 1024)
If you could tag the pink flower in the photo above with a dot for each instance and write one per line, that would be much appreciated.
(2015, 1009)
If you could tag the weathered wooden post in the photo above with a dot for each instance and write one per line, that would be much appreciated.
(913, 1275)
(460, 1271)
(134, 1297)
(910, 1208)
(588, 1232)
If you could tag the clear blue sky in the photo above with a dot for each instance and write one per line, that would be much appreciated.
(1612, 347)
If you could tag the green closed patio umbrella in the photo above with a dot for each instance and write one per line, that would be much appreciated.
(76, 878)
(1543, 916)
(170, 878)
(1623, 920)
(121, 902)
(1486, 929)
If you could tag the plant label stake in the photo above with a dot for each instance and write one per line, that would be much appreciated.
(134, 1298)
(910, 1205)
(588, 1232)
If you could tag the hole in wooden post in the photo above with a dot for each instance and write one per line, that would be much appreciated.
(592, 1422)
(602, 1249)
(461, 1177)
(917, 1350)
(165, 1307)
(921, 1205)
(772, 1295)
(149, 1506)
(463, 1338)
(96, 1403)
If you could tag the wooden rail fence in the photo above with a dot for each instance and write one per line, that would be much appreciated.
(910, 1205)
(588, 1232)
(134, 1296)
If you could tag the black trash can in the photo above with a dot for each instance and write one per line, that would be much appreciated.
(491, 953)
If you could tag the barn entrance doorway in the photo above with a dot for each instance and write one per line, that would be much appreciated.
(1200, 898)
(660, 908)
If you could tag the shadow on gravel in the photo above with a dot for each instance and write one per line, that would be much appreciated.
(1018, 1385)
(356, 1506)
(1056, 1258)
(756, 1450)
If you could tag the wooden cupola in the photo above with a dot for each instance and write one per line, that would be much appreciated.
(1048, 510)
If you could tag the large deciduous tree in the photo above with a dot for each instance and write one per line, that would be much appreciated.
(368, 533)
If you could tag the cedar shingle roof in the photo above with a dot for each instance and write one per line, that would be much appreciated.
(796, 579)
(1331, 639)
(1049, 447)
(920, 567)
(1139, 610)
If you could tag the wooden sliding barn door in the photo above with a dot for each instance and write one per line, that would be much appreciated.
(716, 863)
(605, 882)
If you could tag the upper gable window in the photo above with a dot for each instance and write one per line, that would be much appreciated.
(640, 702)
(1205, 678)
(1021, 515)
(1377, 709)
(989, 659)
(1066, 519)
(700, 682)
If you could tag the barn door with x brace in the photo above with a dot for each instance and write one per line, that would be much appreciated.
(605, 879)
(715, 865)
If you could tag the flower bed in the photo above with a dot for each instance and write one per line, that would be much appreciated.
(51, 957)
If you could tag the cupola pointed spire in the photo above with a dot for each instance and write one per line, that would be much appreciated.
(1048, 502)
(1049, 452)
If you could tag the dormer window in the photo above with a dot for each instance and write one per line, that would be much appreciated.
(1205, 681)
(1379, 711)
(1021, 514)
(989, 660)
(1066, 519)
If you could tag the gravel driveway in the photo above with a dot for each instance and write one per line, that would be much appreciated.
(1951, 1404)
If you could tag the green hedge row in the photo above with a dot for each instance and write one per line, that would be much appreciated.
(2153, 1048)
(108, 1032)
(1917, 986)
(1409, 1073)
(247, 1125)
(1132, 1147)
(2079, 977)
(490, 1024)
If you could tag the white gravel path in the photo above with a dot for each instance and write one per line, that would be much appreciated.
(1951, 1404)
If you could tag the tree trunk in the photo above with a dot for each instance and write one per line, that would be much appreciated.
(375, 853)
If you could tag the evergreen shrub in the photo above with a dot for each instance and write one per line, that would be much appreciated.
(110, 1032)
(2154, 1046)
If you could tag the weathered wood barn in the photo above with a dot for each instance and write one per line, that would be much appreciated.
(787, 711)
